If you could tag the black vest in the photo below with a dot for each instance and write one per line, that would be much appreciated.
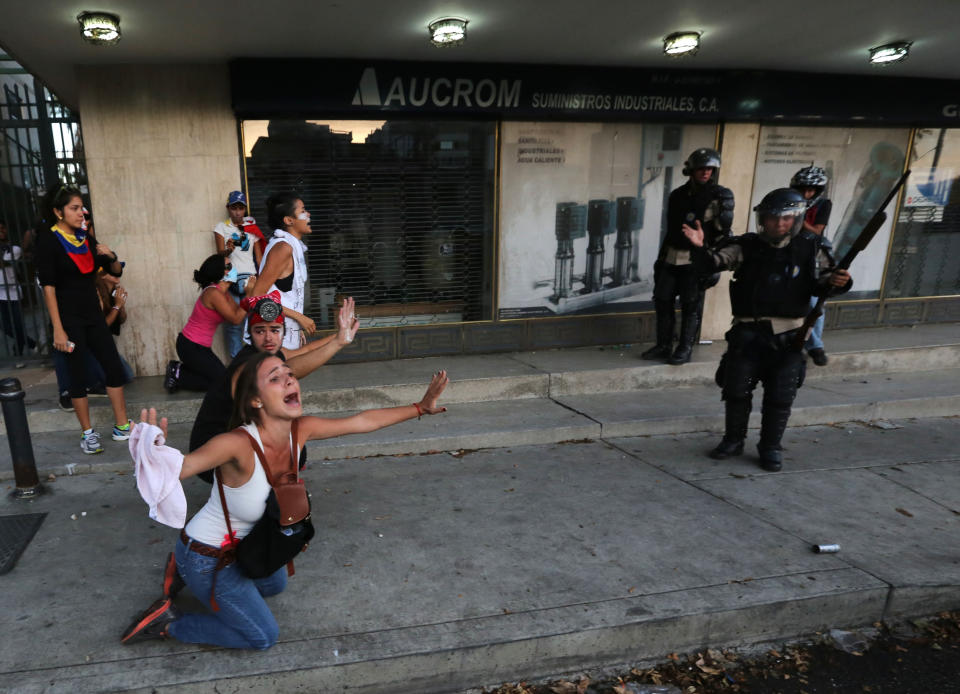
(686, 204)
(775, 282)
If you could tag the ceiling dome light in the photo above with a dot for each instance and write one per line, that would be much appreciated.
(682, 43)
(448, 31)
(100, 28)
(890, 53)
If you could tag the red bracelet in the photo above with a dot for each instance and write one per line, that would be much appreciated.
(419, 411)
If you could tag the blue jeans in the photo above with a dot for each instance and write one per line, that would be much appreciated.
(244, 620)
(233, 334)
(815, 341)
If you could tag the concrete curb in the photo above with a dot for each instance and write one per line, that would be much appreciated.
(552, 425)
(41, 417)
(457, 655)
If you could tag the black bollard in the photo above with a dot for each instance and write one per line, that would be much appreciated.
(21, 448)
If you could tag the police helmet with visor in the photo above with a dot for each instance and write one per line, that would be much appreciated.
(702, 158)
(784, 203)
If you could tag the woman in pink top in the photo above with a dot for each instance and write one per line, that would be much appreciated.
(199, 368)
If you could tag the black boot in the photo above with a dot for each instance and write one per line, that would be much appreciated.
(658, 351)
(737, 418)
(665, 325)
(689, 329)
(772, 426)
(727, 449)
(771, 459)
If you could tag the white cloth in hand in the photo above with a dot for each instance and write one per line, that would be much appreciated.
(157, 468)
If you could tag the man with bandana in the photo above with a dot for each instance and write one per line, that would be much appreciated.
(266, 332)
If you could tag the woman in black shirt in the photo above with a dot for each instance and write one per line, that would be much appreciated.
(67, 262)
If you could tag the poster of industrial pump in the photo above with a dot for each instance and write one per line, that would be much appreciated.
(861, 164)
(582, 213)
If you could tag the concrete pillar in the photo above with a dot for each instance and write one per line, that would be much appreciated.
(162, 153)
(739, 153)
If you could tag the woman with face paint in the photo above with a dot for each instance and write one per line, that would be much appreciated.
(284, 265)
(199, 368)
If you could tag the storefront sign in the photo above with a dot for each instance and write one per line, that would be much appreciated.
(264, 88)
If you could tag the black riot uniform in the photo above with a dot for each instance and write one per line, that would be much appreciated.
(774, 278)
(674, 274)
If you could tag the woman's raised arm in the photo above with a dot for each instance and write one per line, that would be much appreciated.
(371, 420)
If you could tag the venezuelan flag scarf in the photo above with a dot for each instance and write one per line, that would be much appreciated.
(78, 249)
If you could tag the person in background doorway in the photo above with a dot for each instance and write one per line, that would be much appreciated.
(238, 240)
(811, 182)
(11, 313)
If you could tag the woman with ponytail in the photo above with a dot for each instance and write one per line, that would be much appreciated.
(199, 368)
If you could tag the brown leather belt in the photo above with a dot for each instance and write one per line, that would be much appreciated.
(205, 550)
(224, 557)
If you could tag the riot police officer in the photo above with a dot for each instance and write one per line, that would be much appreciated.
(776, 271)
(703, 201)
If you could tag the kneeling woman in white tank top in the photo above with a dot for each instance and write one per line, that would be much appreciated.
(266, 404)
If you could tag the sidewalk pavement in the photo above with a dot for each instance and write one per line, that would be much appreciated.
(543, 397)
(455, 569)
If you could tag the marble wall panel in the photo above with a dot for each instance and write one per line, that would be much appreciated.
(162, 152)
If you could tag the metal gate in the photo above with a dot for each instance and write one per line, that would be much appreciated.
(402, 214)
(39, 144)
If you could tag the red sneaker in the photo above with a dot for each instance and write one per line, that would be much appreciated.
(152, 623)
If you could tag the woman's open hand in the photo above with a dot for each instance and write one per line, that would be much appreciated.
(151, 418)
(347, 321)
(429, 402)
